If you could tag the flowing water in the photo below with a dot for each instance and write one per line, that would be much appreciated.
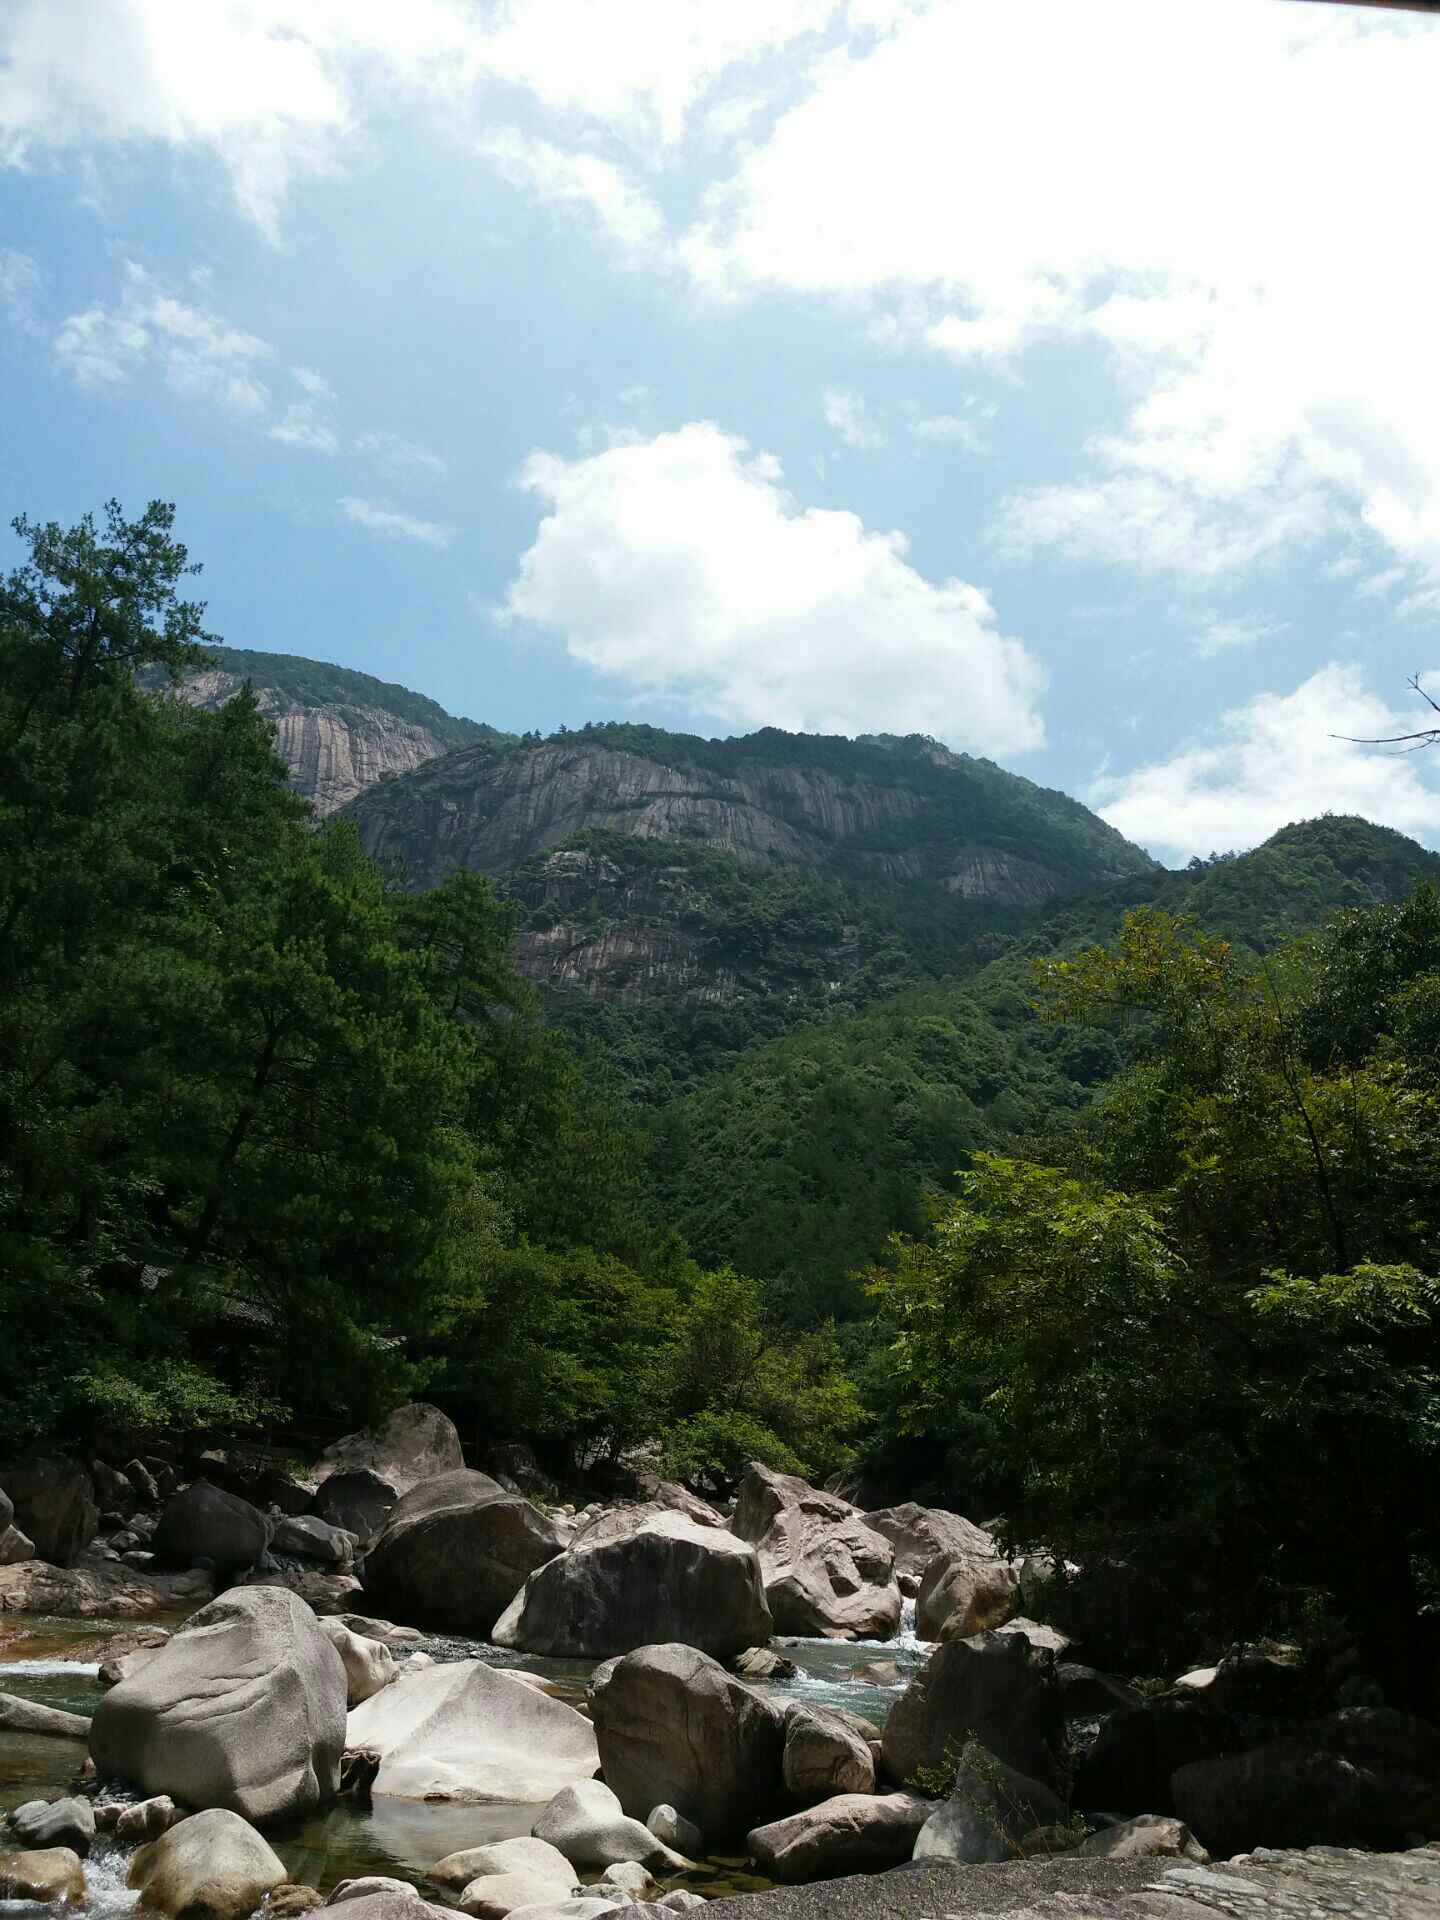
(47, 1662)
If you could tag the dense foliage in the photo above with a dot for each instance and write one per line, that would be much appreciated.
(316, 683)
(1206, 1340)
(277, 1140)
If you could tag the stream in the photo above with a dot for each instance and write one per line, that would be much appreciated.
(398, 1837)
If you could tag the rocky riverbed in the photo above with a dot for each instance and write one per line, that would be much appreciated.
(400, 1679)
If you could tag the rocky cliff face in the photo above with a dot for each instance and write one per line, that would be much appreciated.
(333, 752)
(870, 816)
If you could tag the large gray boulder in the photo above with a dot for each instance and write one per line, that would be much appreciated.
(18, 1715)
(1129, 1766)
(826, 1571)
(964, 1593)
(456, 1550)
(55, 1823)
(824, 1756)
(586, 1823)
(674, 1728)
(53, 1506)
(991, 1807)
(205, 1523)
(1145, 1837)
(466, 1732)
(1364, 1777)
(45, 1875)
(213, 1866)
(313, 1539)
(242, 1709)
(358, 1501)
(524, 1854)
(415, 1443)
(918, 1535)
(640, 1582)
(369, 1664)
(994, 1688)
(853, 1833)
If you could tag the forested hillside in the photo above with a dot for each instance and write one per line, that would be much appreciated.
(1078, 1205)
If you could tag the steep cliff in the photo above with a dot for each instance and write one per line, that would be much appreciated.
(656, 867)
(339, 732)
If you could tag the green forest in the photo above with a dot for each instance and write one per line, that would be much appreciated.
(1115, 1217)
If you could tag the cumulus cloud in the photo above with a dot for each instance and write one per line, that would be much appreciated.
(277, 90)
(578, 180)
(20, 281)
(200, 355)
(1214, 633)
(682, 566)
(1274, 760)
(1163, 186)
(847, 415)
(949, 430)
(394, 526)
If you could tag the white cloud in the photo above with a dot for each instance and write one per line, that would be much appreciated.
(200, 355)
(579, 180)
(681, 566)
(949, 430)
(314, 384)
(1276, 760)
(1163, 185)
(389, 451)
(20, 282)
(1214, 634)
(301, 427)
(394, 526)
(275, 89)
(847, 415)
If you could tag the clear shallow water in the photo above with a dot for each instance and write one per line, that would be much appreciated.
(396, 1837)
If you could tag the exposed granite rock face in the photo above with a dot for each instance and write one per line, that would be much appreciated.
(491, 812)
(333, 753)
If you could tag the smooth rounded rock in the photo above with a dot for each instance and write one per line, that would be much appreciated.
(994, 1688)
(47, 1874)
(587, 1824)
(460, 1730)
(456, 1550)
(204, 1522)
(213, 1866)
(853, 1833)
(416, 1442)
(493, 1896)
(41, 1824)
(825, 1571)
(676, 1831)
(242, 1709)
(523, 1854)
(369, 1664)
(824, 1757)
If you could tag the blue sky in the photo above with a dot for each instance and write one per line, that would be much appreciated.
(1059, 381)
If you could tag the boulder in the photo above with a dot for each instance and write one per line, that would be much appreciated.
(291, 1900)
(313, 1539)
(378, 1897)
(122, 1666)
(493, 1896)
(28, 1716)
(243, 1709)
(457, 1550)
(674, 1830)
(143, 1484)
(1246, 1683)
(964, 1593)
(586, 1823)
(666, 1579)
(466, 1732)
(112, 1487)
(918, 1535)
(525, 1854)
(54, 1505)
(145, 1820)
(369, 1664)
(990, 1810)
(823, 1757)
(40, 1824)
(515, 1466)
(582, 1907)
(627, 1880)
(674, 1727)
(49, 1875)
(414, 1444)
(15, 1547)
(1138, 1839)
(763, 1663)
(1085, 1691)
(271, 1488)
(825, 1571)
(994, 1688)
(213, 1866)
(1363, 1777)
(93, 1591)
(853, 1833)
(206, 1523)
(358, 1501)
(366, 1885)
(1045, 1638)
(370, 1628)
(1130, 1763)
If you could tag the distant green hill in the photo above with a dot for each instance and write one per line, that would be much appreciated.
(798, 1158)
(315, 683)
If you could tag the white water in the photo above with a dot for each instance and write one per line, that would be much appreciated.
(49, 1669)
(109, 1897)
